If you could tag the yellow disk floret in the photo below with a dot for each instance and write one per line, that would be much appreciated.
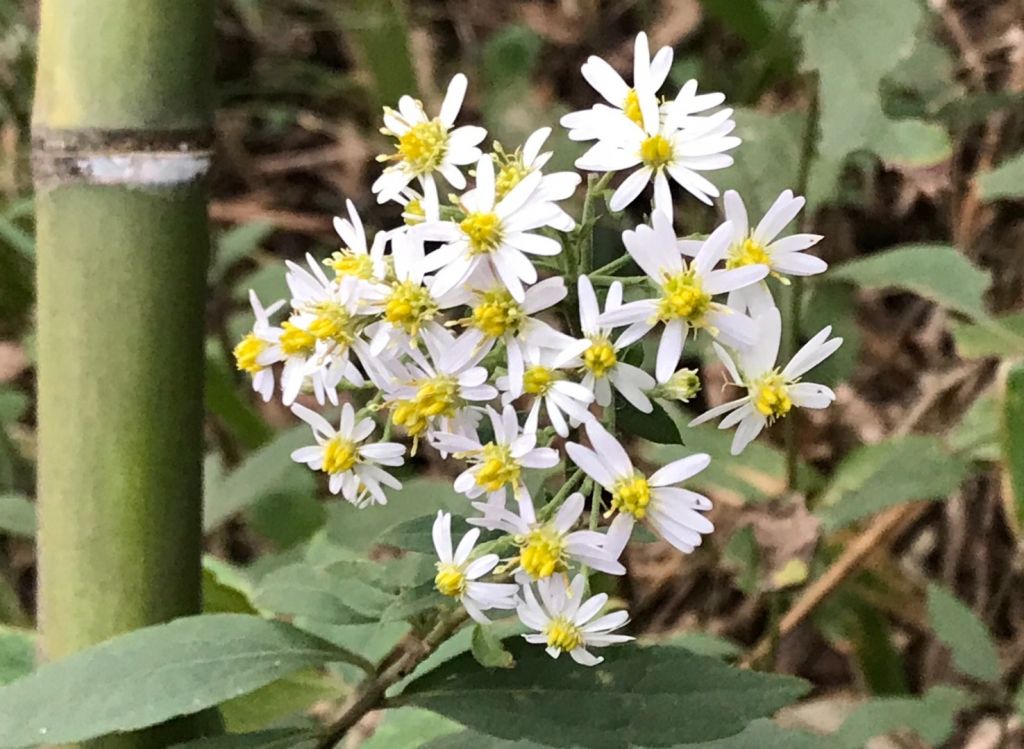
(483, 231)
(497, 468)
(656, 151)
(247, 352)
(683, 298)
(414, 212)
(422, 147)
(538, 380)
(409, 306)
(497, 313)
(510, 175)
(563, 634)
(332, 323)
(542, 553)
(600, 357)
(348, 263)
(631, 108)
(771, 396)
(295, 341)
(632, 495)
(747, 252)
(340, 455)
(437, 396)
(450, 580)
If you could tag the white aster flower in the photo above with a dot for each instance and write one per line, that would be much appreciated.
(494, 233)
(545, 380)
(784, 256)
(661, 149)
(630, 103)
(435, 393)
(496, 316)
(547, 548)
(686, 292)
(496, 465)
(255, 353)
(771, 392)
(357, 258)
(674, 513)
(407, 305)
(416, 209)
(353, 468)
(564, 622)
(600, 361)
(427, 146)
(459, 577)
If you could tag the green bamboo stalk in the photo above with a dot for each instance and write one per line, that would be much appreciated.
(121, 127)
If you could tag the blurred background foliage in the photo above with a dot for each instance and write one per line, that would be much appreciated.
(890, 575)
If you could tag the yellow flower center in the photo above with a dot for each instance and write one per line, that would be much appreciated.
(631, 108)
(450, 581)
(510, 175)
(747, 252)
(339, 455)
(563, 634)
(483, 231)
(682, 297)
(543, 553)
(437, 396)
(600, 357)
(497, 468)
(414, 212)
(296, 341)
(332, 322)
(537, 380)
(656, 151)
(497, 314)
(247, 351)
(771, 397)
(423, 146)
(409, 306)
(348, 263)
(632, 496)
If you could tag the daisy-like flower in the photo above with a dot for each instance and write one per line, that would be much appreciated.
(547, 548)
(255, 353)
(600, 361)
(673, 512)
(784, 256)
(459, 577)
(496, 316)
(416, 209)
(566, 623)
(630, 103)
(354, 468)
(545, 380)
(496, 465)
(427, 146)
(771, 392)
(356, 258)
(407, 305)
(434, 393)
(494, 234)
(662, 150)
(686, 292)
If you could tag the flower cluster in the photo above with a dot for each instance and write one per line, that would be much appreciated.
(444, 327)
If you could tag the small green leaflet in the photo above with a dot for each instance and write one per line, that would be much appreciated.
(962, 632)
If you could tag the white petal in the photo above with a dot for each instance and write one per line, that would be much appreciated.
(680, 470)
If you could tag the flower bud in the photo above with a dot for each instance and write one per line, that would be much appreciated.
(681, 386)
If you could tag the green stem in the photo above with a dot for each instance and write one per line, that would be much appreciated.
(624, 280)
(561, 495)
(121, 273)
(614, 265)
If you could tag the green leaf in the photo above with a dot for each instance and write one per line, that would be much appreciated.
(225, 590)
(746, 17)
(834, 304)
(1001, 336)
(935, 272)
(236, 244)
(17, 516)
(17, 653)
(962, 632)
(701, 643)
(852, 46)
(656, 426)
(411, 535)
(410, 728)
(379, 31)
(635, 697)
(223, 399)
(932, 716)
(1013, 446)
(152, 675)
(280, 699)
(302, 590)
(1004, 182)
(266, 471)
(976, 437)
(488, 649)
(281, 738)
(875, 477)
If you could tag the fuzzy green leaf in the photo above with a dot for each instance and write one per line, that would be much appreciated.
(932, 717)
(1004, 182)
(17, 653)
(974, 652)
(489, 650)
